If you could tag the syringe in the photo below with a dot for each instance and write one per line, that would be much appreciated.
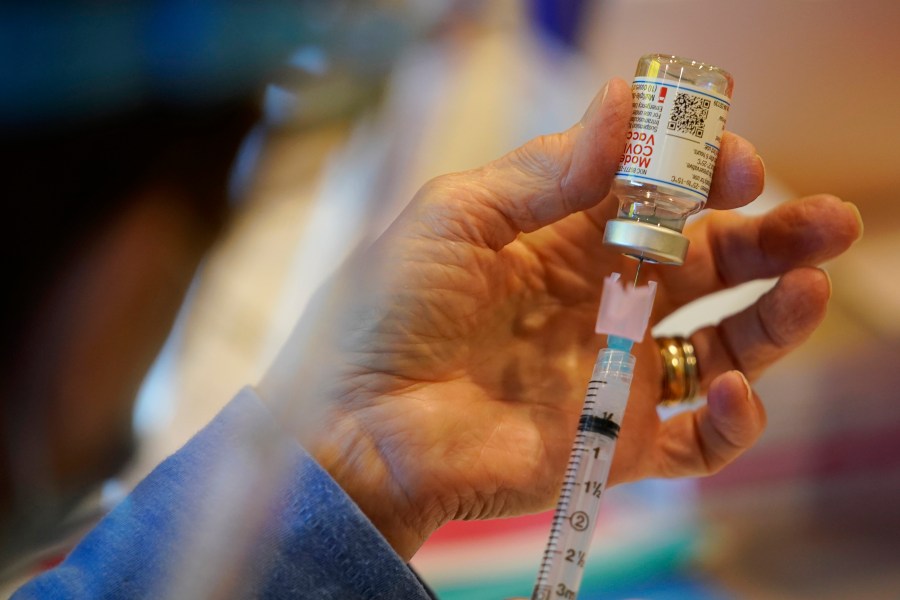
(585, 480)
(622, 311)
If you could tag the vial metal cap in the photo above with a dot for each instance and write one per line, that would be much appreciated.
(647, 241)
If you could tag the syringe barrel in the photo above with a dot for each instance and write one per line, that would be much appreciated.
(614, 369)
(576, 513)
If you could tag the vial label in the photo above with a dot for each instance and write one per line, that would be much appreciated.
(674, 136)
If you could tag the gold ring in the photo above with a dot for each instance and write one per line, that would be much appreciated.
(681, 378)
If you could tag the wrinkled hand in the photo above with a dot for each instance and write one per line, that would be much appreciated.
(465, 337)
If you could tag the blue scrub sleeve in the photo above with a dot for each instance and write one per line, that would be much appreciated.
(216, 520)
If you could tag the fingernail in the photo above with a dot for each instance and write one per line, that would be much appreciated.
(762, 163)
(595, 104)
(828, 277)
(746, 384)
(859, 218)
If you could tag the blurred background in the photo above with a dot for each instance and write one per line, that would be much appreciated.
(812, 511)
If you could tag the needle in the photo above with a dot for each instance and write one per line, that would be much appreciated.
(638, 272)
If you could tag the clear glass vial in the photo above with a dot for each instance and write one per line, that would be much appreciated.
(680, 107)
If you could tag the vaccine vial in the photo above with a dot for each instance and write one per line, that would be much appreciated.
(679, 112)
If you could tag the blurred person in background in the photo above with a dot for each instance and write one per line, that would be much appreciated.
(437, 376)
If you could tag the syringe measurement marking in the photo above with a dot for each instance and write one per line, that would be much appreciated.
(571, 520)
(575, 556)
(579, 521)
(562, 508)
(593, 487)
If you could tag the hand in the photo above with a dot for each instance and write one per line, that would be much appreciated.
(465, 337)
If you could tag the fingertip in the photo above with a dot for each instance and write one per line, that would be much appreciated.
(620, 87)
(599, 140)
(619, 97)
(860, 226)
(810, 283)
(606, 119)
(792, 310)
(727, 393)
(595, 105)
(740, 174)
(734, 412)
(842, 219)
(820, 284)
(829, 285)
(615, 93)
(809, 230)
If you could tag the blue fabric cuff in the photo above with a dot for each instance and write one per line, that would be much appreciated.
(240, 511)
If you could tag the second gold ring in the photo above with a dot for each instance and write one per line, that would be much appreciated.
(681, 378)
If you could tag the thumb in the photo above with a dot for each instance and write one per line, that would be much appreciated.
(548, 178)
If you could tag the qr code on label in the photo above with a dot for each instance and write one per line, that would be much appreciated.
(689, 113)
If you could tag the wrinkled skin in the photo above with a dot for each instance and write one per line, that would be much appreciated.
(465, 336)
